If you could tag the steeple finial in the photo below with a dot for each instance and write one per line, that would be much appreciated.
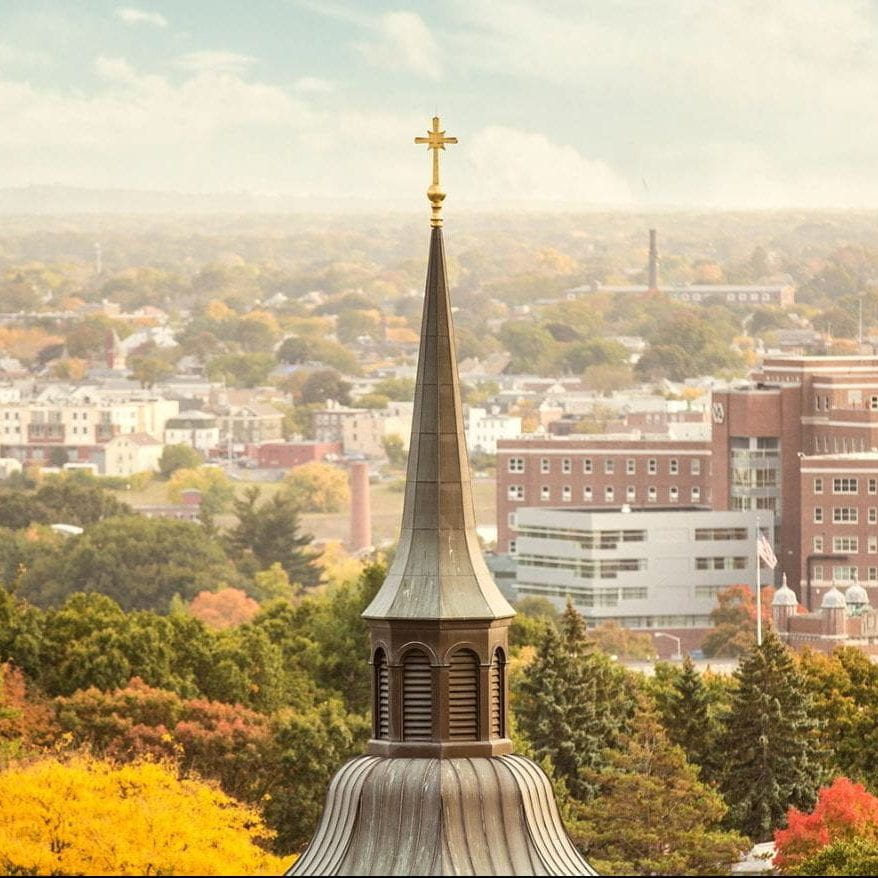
(436, 140)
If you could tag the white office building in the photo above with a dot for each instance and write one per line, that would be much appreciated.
(647, 569)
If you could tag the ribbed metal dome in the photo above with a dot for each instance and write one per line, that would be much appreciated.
(784, 597)
(856, 596)
(833, 600)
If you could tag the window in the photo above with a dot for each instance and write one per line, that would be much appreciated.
(566, 493)
(630, 466)
(586, 494)
(720, 562)
(845, 486)
(516, 465)
(844, 514)
(696, 493)
(873, 515)
(566, 465)
(515, 492)
(652, 466)
(873, 574)
(544, 465)
(873, 403)
(586, 465)
(609, 466)
(651, 494)
(818, 544)
(608, 494)
(673, 466)
(695, 467)
(512, 547)
(818, 573)
(720, 533)
(872, 544)
(847, 545)
(630, 493)
(511, 518)
(844, 573)
(873, 486)
(545, 493)
(818, 486)
(673, 493)
(818, 515)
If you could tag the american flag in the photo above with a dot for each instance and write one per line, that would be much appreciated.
(765, 552)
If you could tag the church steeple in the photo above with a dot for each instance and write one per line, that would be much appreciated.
(440, 792)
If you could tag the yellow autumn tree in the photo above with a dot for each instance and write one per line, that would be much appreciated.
(83, 816)
(318, 487)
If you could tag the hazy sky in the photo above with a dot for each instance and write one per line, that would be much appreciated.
(587, 102)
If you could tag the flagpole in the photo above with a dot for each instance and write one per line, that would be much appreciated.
(758, 588)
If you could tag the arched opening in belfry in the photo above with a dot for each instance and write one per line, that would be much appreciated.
(417, 696)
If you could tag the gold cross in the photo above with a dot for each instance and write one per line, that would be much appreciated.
(436, 140)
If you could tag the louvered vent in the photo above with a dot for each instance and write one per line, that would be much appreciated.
(417, 697)
(463, 696)
(498, 713)
(382, 696)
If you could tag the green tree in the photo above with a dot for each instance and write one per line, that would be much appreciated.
(652, 815)
(139, 562)
(323, 385)
(395, 450)
(530, 345)
(769, 742)
(846, 856)
(150, 370)
(78, 499)
(690, 717)
(399, 389)
(572, 703)
(268, 533)
(317, 487)
(241, 370)
(176, 457)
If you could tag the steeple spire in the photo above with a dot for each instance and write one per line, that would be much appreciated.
(440, 792)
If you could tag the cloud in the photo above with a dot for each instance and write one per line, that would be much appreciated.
(508, 166)
(403, 42)
(16, 56)
(130, 15)
(313, 85)
(214, 62)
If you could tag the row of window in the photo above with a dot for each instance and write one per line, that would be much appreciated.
(847, 545)
(847, 485)
(843, 573)
(844, 445)
(587, 539)
(608, 568)
(845, 515)
(721, 562)
(517, 465)
(855, 398)
(516, 492)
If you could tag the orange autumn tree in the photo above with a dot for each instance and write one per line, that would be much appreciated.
(84, 816)
(844, 811)
(225, 608)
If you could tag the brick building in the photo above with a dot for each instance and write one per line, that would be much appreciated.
(801, 441)
(595, 472)
(285, 455)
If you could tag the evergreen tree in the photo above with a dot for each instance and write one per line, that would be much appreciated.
(572, 704)
(269, 533)
(770, 742)
(652, 815)
(688, 717)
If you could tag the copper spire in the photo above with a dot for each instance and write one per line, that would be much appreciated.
(439, 571)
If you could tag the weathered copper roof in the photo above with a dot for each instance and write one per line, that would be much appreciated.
(484, 816)
(439, 571)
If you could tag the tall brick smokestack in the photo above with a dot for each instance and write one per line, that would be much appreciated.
(653, 260)
(361, 509)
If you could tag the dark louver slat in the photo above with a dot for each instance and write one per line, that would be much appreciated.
(382, 697)
(463, 696)
(417, 697)
(497, 730)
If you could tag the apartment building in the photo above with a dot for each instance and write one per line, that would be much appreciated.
(598, 471)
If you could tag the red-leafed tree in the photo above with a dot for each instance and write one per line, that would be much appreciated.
(223, 609)
(844, 811)
(734, 621)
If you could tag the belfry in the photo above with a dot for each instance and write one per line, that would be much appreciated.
(439, 791)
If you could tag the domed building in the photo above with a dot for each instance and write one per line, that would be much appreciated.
(845, 618)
